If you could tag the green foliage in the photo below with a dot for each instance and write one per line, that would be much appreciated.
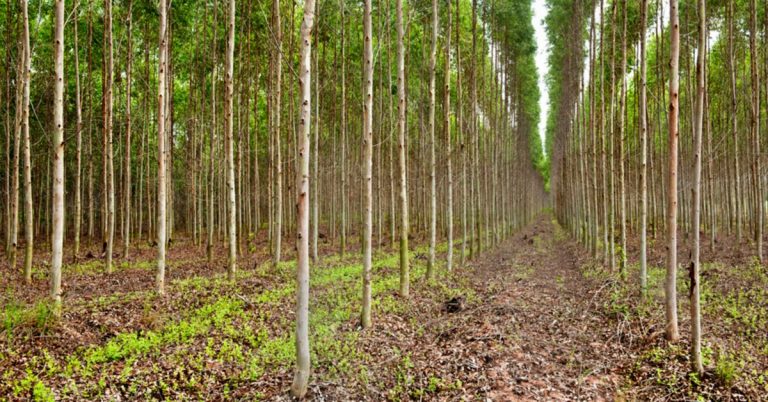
(39, 316)
(727, 368)
(403, 376)
(134, 344)
(13, 314)
(31, 387)
(250, 335)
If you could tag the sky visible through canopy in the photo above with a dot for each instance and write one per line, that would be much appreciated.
(542, 64)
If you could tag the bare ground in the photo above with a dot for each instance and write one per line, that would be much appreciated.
(533, 318)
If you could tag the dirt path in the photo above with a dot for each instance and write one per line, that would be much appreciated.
(536, 332)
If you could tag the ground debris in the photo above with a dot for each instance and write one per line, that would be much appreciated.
(455, 304)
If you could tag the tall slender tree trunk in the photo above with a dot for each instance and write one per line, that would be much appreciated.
(57, 238)
(316, 145)
(212, 145)
(277, 60)
(593, 140)
(343, 127)
(447, 131)
(161, 151)
(301, 377)
(365, 317)
(89, 90)
(392, 202)
(643, 152)
(674, 86)
(755, 128)
(603, 139)
(730, 16)
(622, 159)
(127, 150)
(145, 141)
(28, 208)
(462, 135)
(432, 180)
(108, 149)
(8, 135)
(78, 141)
(228, 107)
(474, 177)
(698, 133)
(256, 177)
(170, 216)
(405, 281)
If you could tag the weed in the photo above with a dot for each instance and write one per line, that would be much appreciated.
(280, 350)
(13, 315)
(403, 377)
(694, 378)
(40, 316)
(560, 280)
(727, 369)
(134, 344)
(31, 386)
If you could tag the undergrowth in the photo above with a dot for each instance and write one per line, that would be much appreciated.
(225, 327)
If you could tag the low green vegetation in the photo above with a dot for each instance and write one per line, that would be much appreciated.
(735, 302)
(228, 326)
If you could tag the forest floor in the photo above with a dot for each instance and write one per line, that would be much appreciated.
(533, 318)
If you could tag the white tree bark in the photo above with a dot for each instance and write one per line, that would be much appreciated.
(127, 159)
(405, 281)
(57, 238)
(365, 318)
(79, 143)
(670, 287)
(301, 377)
(432, 181)
(109, 153)
(161, 169)
(228, 107)
(277, 78)
(28, 206)
(696, 363)
(212, 144)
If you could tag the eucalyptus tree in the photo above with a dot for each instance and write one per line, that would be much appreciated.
(365, 318)
(622, 140)
(757, 173)
(161, 147)
(276, 68)
(432, 179)
(343, 129)
(127, 149)
(670, 286)
(447, 134)
(108, 174)
(230, 148)
(643, 151)
(57, 238)
(25, 71)
(301, 377)
(78, 139)
(732, 66)
(212, 138)
(21, 121)
(404, 268)
(696, 360)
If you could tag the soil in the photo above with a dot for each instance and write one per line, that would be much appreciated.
(533, 318)
(536, 332)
